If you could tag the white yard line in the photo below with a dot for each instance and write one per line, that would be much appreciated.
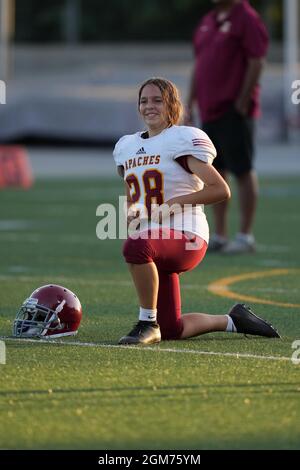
(147, 348)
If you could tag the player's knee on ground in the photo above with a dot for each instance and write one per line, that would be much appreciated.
(170, 331)
(138, 251)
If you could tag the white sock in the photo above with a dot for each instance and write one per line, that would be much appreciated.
(147, 314)
(230, 325)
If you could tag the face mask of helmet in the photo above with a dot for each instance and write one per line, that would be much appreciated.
(34, 320)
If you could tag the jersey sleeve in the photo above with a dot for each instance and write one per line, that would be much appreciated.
(195, 142)
(118, 152)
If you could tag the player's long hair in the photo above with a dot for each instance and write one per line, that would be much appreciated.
(171, 97)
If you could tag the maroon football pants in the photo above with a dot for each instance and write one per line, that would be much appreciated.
(172, 256)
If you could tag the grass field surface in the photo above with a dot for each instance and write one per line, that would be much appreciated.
(217, 391)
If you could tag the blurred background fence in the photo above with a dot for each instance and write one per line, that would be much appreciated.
(72, 67)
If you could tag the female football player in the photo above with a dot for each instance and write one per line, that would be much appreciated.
(169, 177)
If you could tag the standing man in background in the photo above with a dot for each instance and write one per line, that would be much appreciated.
(230, 46)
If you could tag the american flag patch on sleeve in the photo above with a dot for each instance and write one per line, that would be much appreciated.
(203, 143)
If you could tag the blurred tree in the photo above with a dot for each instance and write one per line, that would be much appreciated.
(126, 20)
(39, 21)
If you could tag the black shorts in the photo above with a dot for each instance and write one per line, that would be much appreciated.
(233, 137)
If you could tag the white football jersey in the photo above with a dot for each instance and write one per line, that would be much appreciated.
(154, 176)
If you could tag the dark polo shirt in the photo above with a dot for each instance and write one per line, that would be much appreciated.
(222, 49)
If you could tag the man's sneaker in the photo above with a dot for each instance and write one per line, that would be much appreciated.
(217, 243)
(144, 332)
(242, 243)
(248, 323)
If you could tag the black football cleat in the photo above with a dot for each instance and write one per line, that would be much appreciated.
(248, 323)
(144, 332)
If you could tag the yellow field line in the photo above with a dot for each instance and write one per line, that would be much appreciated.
(221, 286)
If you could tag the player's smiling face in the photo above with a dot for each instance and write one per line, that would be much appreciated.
(153, 109)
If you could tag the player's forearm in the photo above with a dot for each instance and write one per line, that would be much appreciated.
(208, 195)
(251, 79)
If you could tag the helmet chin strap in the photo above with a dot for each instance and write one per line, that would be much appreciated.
(33, 331)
